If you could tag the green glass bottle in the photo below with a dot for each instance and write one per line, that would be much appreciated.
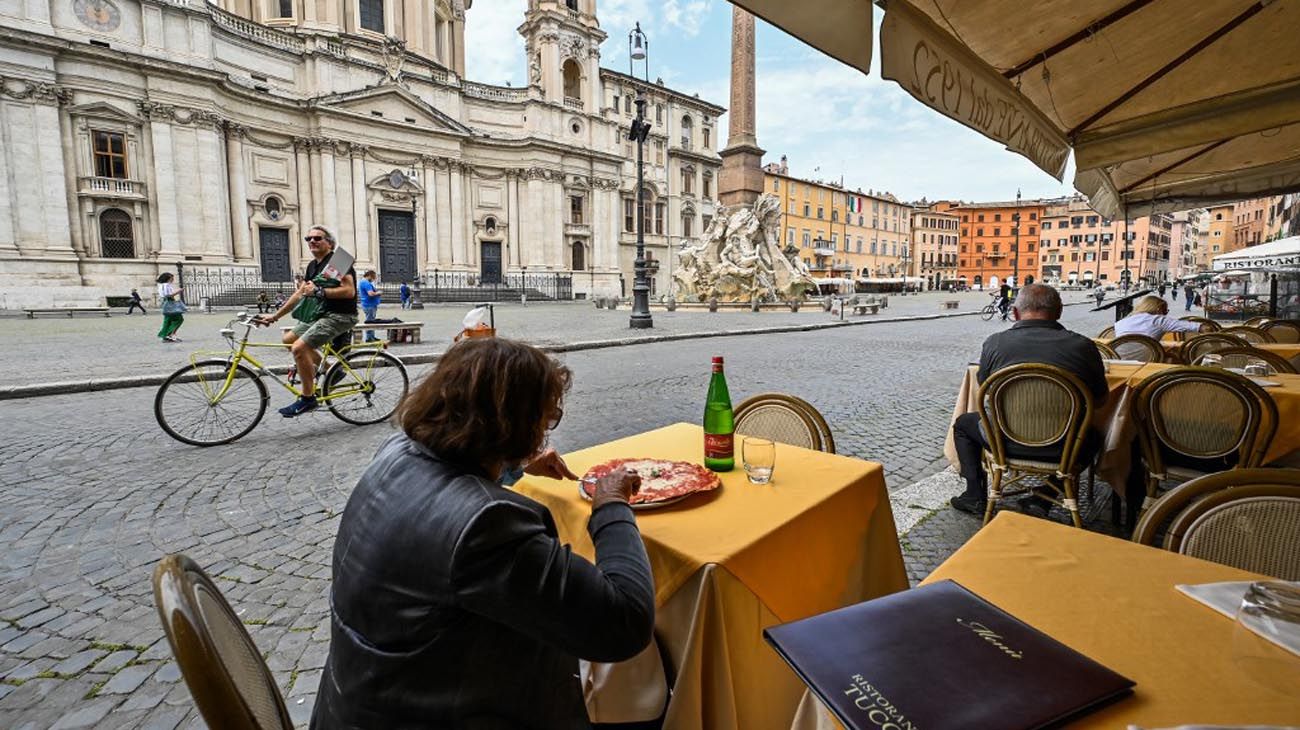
(719, 427)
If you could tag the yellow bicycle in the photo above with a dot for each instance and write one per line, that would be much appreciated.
(216, 400)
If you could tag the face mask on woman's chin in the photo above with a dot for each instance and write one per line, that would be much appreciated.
(511, 474)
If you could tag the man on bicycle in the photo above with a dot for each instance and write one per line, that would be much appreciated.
(306, 338)
(1004, 300)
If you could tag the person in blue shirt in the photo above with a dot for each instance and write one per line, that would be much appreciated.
(405, 292)
(369, 301)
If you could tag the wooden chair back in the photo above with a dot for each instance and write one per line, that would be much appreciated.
(1107, 334)
(222, 667)
(1202, 413)
(1253, 335)
(1237, 357)
(785, 418)
(1202, 344)
(1283, 330)
(1105, 349)
(1255, 322)
(1245, 518)
(1035, 404)
(1138, 347)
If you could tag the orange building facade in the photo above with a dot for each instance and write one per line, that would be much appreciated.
(997, 240)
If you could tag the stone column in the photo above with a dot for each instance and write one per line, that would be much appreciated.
(443, 195)
(366, 250)
(512, 219)
(243, 246)
(302, 163)
(741, 179)
(163, 191)
(460, 244)
(329, 204)
(317, 183)
(75, 216)
(427, 249)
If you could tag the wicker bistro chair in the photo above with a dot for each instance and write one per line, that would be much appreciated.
(784, 418)
(1255, 322)
(222, 667)
(1105, 349)
(1194, 415)
(1237, 357)
(1245, 518)
(1035, 405)
(1106, 334)
(1283, 330)
(1213, 326)
(1138, 347)
(1203, 344)
(1253, 335)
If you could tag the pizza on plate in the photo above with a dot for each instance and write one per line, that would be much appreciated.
(661, 480)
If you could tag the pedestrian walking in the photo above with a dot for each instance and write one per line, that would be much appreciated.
(405, 293)
(1162, 289)
(135, 303)
(173, 308)
(369, 301)
(1099, 294)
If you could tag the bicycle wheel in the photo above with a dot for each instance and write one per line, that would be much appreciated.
(370, 392)
(188, 409)
(987, 312)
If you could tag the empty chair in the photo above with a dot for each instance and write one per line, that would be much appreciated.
(1035, 406)
(1245, 518)
(784, 418)
(1282, 330)
(1192, 421)
(1238, 357)
(1253, 335)
(1208, 324)
(1106, 334)
(1105, 349)
(1255, 322)
(1195, 347)
(1138, 347)
(222, 667)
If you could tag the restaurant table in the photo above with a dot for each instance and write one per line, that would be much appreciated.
(726, 565)
(1115, 601)
(1115, 417)
(1287, 350)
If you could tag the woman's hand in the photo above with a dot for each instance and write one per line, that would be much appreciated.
(550, 465)
(616, 486)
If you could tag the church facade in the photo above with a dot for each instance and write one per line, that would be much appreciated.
(136, 135)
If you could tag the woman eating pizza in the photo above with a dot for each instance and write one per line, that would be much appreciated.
(454, 604)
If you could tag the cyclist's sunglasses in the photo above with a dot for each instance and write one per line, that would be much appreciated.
(309, 239)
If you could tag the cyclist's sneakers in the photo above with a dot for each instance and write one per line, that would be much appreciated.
(299, 407)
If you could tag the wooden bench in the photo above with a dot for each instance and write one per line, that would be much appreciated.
(31, 313)
(394, 329)
(950, 305)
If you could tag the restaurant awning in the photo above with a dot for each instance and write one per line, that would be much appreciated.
(1166, 104)
(1282, 253)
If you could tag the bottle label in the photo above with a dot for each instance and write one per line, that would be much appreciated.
(719, 445)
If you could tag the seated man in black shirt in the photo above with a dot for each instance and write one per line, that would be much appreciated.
(1036, 337)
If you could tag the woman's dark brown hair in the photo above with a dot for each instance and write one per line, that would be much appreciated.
(489, 400)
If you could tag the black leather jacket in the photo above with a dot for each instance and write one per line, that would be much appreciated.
(455, 605)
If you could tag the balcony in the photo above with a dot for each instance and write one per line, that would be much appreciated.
(823, 251)
(111, 187)
(577, 229)
(573, 103)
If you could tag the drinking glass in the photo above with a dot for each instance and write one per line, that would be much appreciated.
(1269, 609)
(1258, 367)
(759, 457)
(1212, 361)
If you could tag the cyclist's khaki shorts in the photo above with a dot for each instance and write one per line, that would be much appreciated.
(324, 329)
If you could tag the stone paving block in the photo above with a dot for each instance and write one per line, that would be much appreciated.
(30, 669)
(116, 660)
(78, 662)
(25, 641)
(128, 679)
(300, 709)
(87, 715)
(164, 717)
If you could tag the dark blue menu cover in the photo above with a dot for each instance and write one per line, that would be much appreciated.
(939, 657)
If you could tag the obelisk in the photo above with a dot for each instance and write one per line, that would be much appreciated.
(741, 180)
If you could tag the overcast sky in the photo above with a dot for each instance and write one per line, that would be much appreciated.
(830, 120)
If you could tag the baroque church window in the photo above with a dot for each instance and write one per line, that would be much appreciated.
(372, 15)
(110, 155)
(116, 240)
(286, 8)
(572, 80)
(575, 209)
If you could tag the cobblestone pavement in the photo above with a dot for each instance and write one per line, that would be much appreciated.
(93, 494)
(59, 349)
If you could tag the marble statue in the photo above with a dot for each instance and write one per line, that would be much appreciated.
(740, 259)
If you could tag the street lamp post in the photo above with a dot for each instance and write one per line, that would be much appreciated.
(639, 47)
(1015, 245)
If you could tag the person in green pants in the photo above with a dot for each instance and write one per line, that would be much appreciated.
(172, 306)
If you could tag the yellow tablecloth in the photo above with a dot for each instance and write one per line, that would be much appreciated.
(1115, 602)
(1116, 422)
(1287, 350)
(726, 564)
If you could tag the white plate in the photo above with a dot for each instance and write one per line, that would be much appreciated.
(1123, 362)
(1265, 383)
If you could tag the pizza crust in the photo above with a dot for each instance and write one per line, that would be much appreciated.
(661, 479)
